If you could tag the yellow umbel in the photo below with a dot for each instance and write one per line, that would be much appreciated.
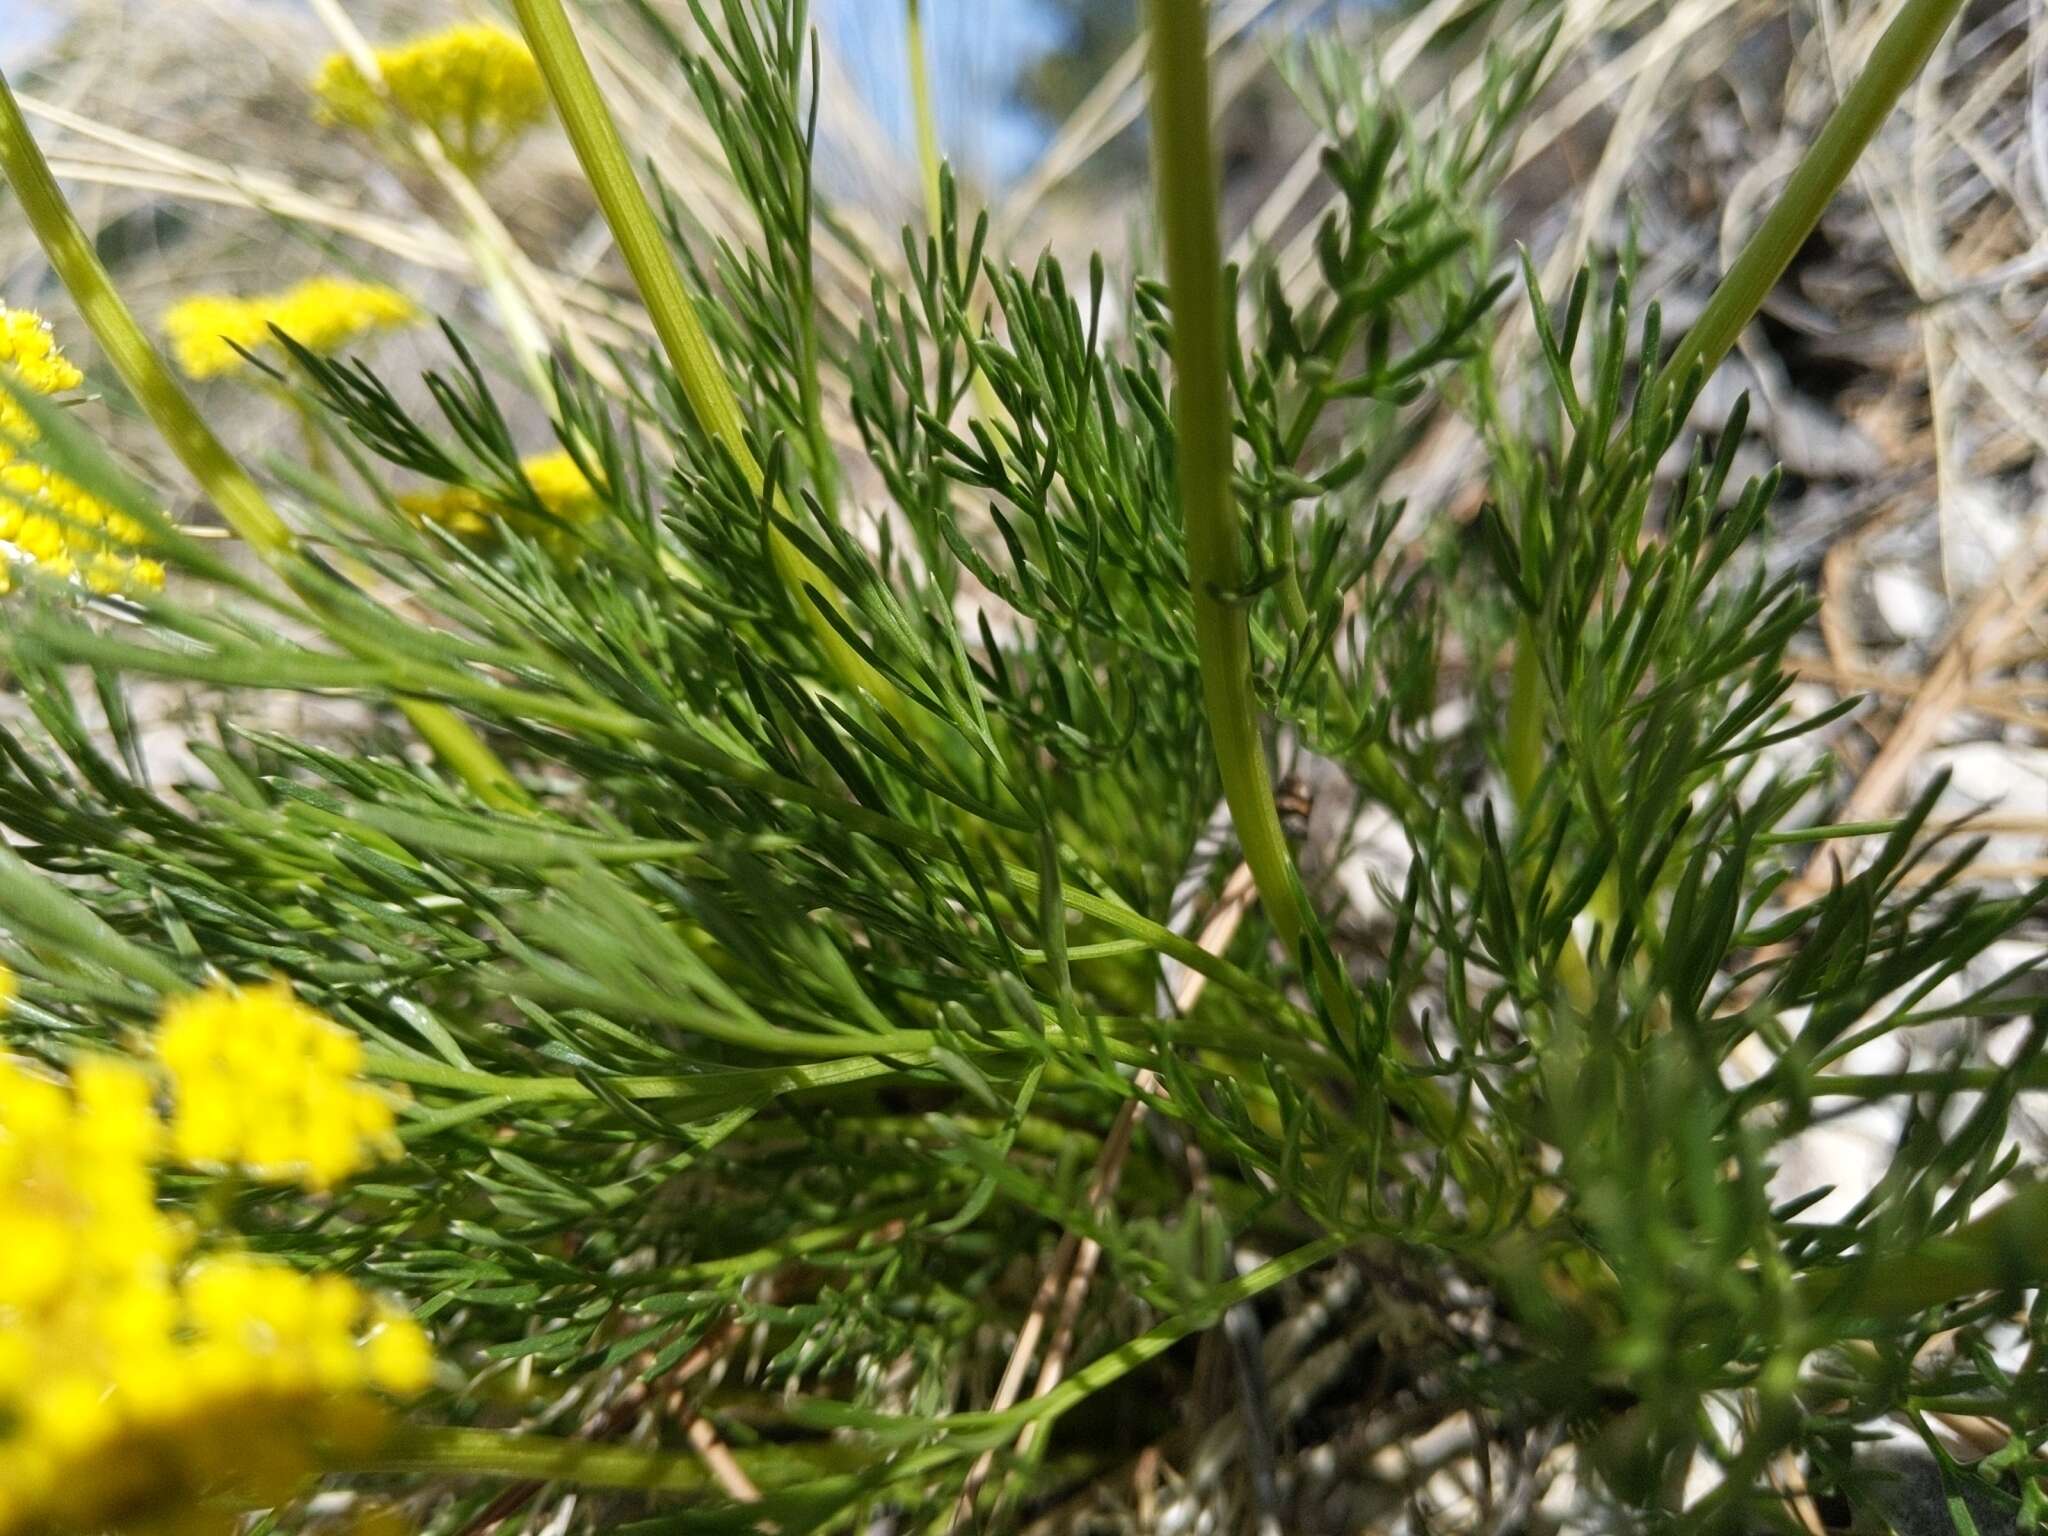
(210, 332)
(45, 519)
(140, 1386)
(262, 1083)
(475, 88)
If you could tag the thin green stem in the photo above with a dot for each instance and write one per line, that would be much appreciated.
(446, 1450)
(700, 1093)
(491, 246)
(836, 1062)
(1526, 701)
(811, 1240)
(1941, 1081)
(715, 1089)
(171, 412)
(1187, 184)
(602, 155)
(1120, 1362)
(824, 464)
(917, 64)
(311, 442)
(522, 326)
(1293, 604)
(811, 1474)
(1525, 718)
(1897, 58)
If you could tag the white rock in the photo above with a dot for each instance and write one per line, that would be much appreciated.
(1911, 610)
(1994, 775)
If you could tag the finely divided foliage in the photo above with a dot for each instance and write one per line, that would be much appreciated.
(790, 1002)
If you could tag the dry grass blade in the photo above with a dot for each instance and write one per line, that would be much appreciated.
(1997, 620)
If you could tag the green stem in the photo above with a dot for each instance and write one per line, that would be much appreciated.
(837, 1062)
(1120, 1362)
(816, 1473)
(425, 1450)
(1893, 63)
(1293, 604)
(917, 62)
(1525, 718)
(2000, 1251)
(1936, 1080)
(522, 327)
(797, 1245)
(1187, 185)
(715, 1090)
(602, 155)
(318, 460)
(824, 463)
(1524, 771)
(455, 742)
(173, 415)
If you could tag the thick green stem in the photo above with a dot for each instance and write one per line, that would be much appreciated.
(1893, 63)
(205, 457)
(2003, 1250)
(1187, 185)
(602, 154)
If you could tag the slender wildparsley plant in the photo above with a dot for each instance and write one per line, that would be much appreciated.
(840, 979)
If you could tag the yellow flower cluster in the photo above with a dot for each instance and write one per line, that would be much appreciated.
(135, 1380)
(477, 89)
(45, 518)
(29, 352)
(53, 522)
(261, 1082)
(322, 314)
(558, 483)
